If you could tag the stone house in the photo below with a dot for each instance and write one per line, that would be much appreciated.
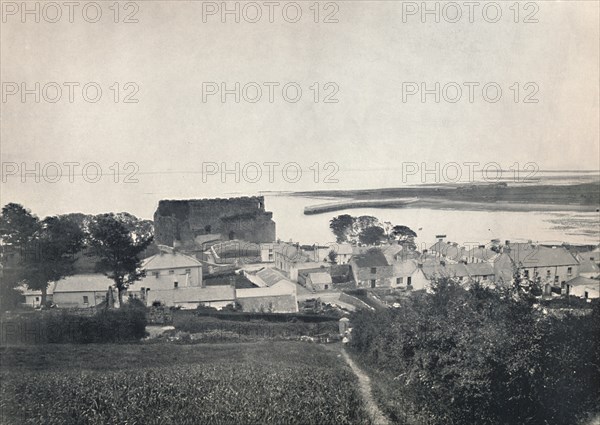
(371, 269)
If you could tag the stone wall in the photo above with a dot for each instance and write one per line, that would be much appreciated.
(234, 218)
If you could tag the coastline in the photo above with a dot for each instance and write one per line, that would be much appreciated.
(441, 204)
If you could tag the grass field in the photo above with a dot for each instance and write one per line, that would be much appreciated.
(252, 383)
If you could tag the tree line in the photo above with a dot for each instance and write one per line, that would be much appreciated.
(480, 356)
(39, 251)
(370, 230)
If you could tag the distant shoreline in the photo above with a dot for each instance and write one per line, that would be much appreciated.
(579, 197)
(445, 205)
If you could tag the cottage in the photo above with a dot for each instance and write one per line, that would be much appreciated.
(166, 272)
(447, 251)
(264, 277)
(588, 267)
(481, 272)
(584, 287)
(392, 252)
(287, 256)
(480, 254)
(371, 269)
(552, 266)
(82, 291)
(344, 253)
(279, 298)
(437, 270)
(33, 298)
(319, 281)
(408, 275)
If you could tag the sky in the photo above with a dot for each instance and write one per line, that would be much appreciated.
(366, 66)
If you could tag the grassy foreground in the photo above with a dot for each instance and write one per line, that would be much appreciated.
(253, 383)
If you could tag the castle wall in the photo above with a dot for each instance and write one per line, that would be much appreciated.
(234, 218)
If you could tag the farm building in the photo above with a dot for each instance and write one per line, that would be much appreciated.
(584, 287)
(408, 275)
(82, 290)
(320, 281)
(279, 298)
(371, 269)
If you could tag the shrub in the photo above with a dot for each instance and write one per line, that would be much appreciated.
(59, 326)
(480, 356)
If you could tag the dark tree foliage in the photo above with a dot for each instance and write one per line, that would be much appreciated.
(118, 240)
(341, 226)
(369, 230)
(371, 235)
(481, 356)
(44, 250)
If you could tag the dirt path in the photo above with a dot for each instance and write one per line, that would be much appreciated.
(365, 389)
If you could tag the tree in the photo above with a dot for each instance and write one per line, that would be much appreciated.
(118, 240)
(45, 249)
(341, 226)
(363, 222)
(17, 225)
(332, 256)
(405, 236)
(371, 235)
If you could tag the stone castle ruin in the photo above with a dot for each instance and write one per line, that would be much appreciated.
(189, 222)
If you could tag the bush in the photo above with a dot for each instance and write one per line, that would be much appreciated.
(480, 356)
(125, 324)
(259, 329)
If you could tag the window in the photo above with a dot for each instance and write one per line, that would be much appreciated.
(373, 270)
(569, 271)
(548, 273)
(86, 299)
(373, 283)
(399, 280)
(555, 279)
(409, 280)
(175, 285)
(156, 274)
(526, 273)
(326, 287)
(171, 271)
(37, 298)
(188, 271)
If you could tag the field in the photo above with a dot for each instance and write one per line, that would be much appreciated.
(252, 383)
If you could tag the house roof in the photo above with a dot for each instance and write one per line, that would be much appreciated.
(448, 249)
(311, 265)
(405, 267)
(591, 255)
(269, 276)
(204, 294)
(479, 269)
(374, 257)
(436, 270)
(169, 259)
(530, 255)
(344, 249)
(83, 283)
(24, 289)
(320, 278)
(280, 288)
(484, 254)
(587, 266)
(583, 281)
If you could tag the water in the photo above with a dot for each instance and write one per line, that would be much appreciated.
(464, 227)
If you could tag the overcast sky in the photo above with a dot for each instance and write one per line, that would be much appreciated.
(367, 57)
